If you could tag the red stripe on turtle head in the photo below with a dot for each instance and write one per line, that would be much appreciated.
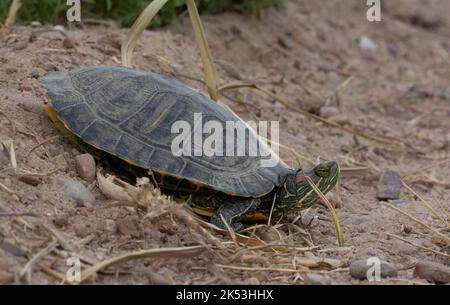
(301, 178)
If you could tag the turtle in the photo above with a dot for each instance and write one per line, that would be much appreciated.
(128, 115)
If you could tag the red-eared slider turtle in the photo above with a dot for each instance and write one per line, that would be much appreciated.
(129, 115)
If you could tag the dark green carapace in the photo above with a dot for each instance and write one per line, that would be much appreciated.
(129, 114)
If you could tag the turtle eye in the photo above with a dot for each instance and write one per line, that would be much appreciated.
(322, 171)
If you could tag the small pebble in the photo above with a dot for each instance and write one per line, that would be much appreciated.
(316, 279)
(35, 24)
(6, 277)
(252, 281)
(61, 220)
(74, 190)
(359, 268)
(366, 44)
(157, 279)
(85, 165)
(82, 230)
(89, 206)
(20, 45)
(328, 111)
(434, 272)
(68, 43)
(110, 226)
(30, 180)
(35, 73)
(389, 186)
(58, 28)
(285, 43)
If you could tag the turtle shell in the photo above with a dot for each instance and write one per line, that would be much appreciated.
(129, 114)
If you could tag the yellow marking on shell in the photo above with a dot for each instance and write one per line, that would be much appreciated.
(256, 216)
(48, 109)
(203, 212)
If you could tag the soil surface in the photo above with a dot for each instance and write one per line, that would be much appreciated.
(386, 83)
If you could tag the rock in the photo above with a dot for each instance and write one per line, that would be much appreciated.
(359, 268)
(68, 43)
(35, 24)
(89, 206)
(157, 279)
(110, 226)
(85, 165)
(389, 186)
(366, 44)
(6, 277)
(285, 43)
(434, 272)
(316, 279)
(252, 281)
(35, 73)
(58, 28)
(61, 220)
(30, 180)
(82, 230)
(128, 226)
(74, 190)
(6, 263)
(20, 45)
(328, 111)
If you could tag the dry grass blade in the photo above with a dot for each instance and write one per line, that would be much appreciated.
(137, 29)
(253, 269)
(9, 146)
(40, 144)
(181, 252)
(427, 205)
(230, 230)
(7, 189)
(11, 19)
(27, 268)
(419, 246)
(307, 114)
(428, 227)
(331, 209)
(210, 73)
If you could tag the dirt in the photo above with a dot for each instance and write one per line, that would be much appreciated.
(309, 53)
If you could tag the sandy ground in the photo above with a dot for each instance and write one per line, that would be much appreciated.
(310, 54)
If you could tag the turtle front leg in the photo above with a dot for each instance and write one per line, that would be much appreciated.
(231, 211)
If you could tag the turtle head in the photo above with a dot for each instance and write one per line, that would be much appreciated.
(298, 193)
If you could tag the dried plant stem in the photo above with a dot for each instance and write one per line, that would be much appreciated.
(27, 268)
(11, 19)
(427, 205)
(137, 29)
(428, 227)
(40, 144)
(180, 252)
(210, 73)
(331, 209)
(419, 246)
(307, 114)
